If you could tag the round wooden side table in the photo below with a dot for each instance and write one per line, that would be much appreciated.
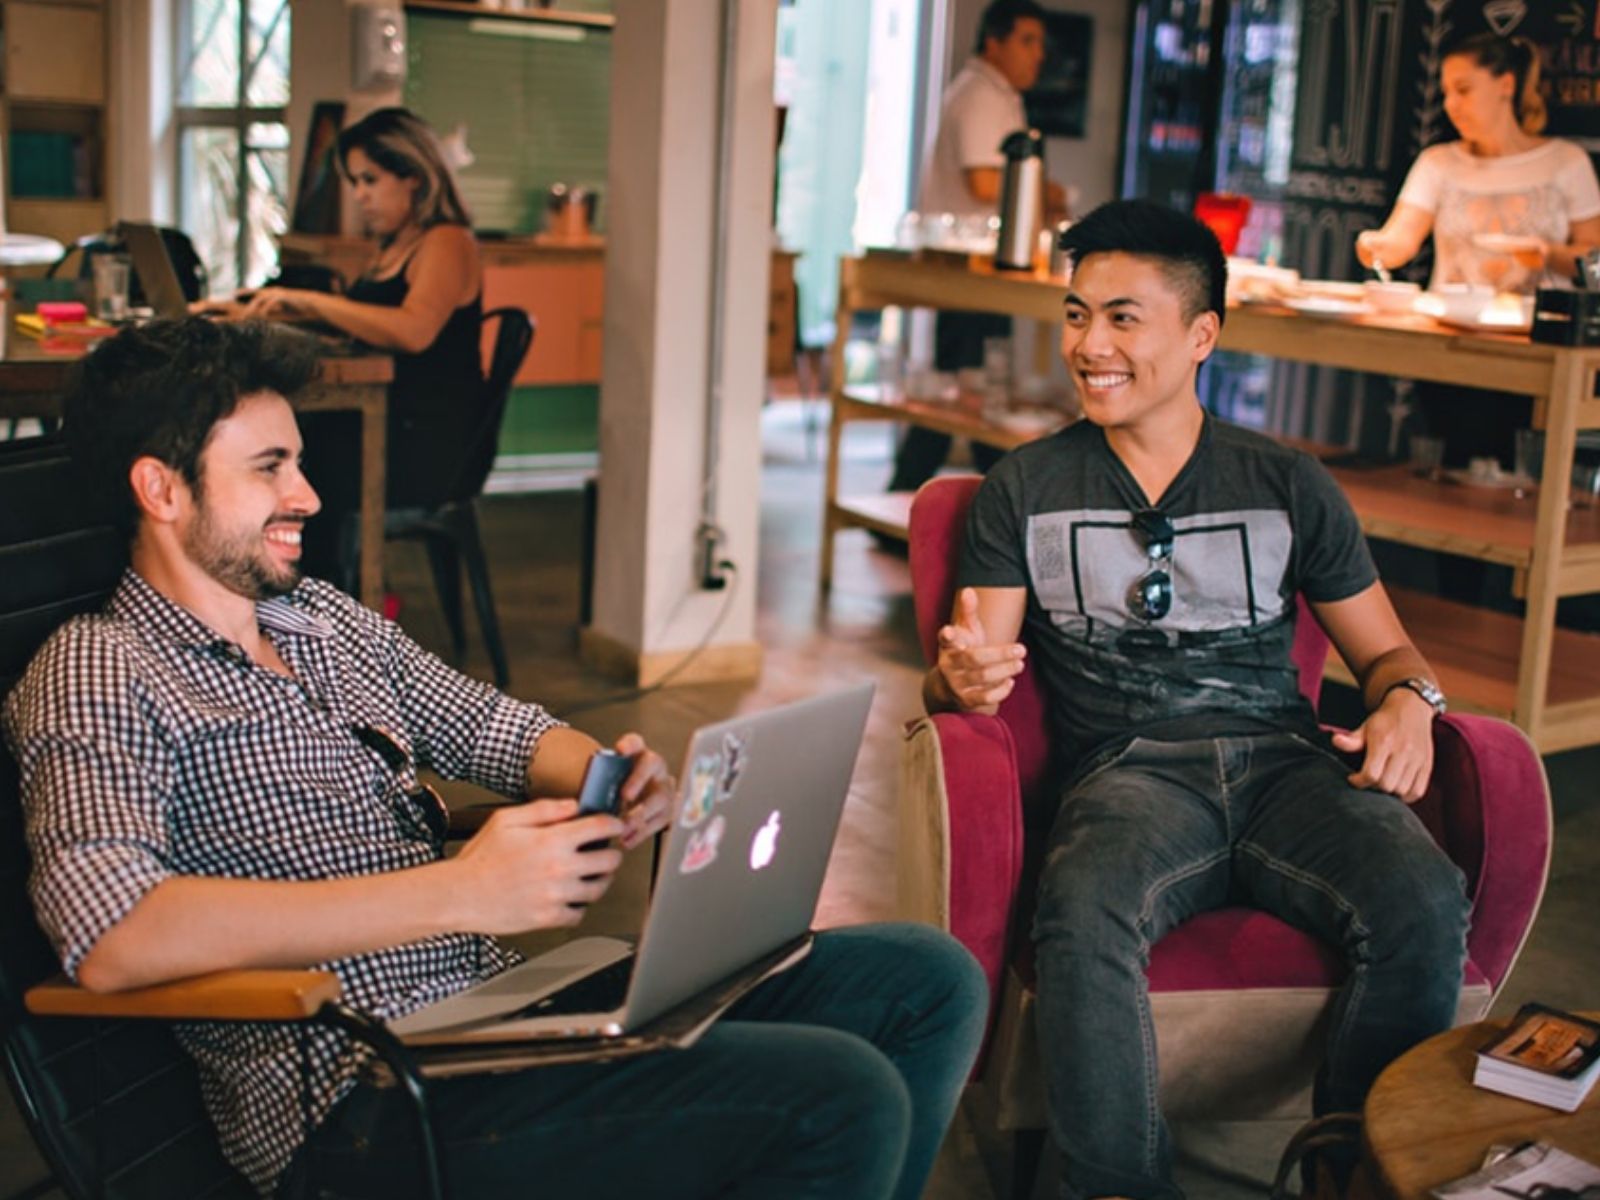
(1426, 1124)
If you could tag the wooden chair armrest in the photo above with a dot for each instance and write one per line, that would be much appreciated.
(222, 996)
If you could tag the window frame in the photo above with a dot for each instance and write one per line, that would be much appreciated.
(238, 117)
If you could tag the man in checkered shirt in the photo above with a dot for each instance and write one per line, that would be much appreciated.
(211, 781)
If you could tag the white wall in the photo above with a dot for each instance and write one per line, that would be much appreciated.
(1088, 163)
(143, 145)
(319, 69)
(653, 402)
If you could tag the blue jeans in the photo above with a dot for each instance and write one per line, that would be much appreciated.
(1166, 830)
(835, 1079)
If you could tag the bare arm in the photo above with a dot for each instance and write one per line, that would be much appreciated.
(524, 870)
(979, 654)
(562, 756)
(1397, 735)
(443, 275)
(983, 183)
(1583, 237)
(1400, 238)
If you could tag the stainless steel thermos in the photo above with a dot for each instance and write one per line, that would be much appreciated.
(1021, 200)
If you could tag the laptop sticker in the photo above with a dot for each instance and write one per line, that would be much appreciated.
(734, 756)
(703, 780)
(703, 843)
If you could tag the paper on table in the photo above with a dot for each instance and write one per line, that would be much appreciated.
(1517, 1173)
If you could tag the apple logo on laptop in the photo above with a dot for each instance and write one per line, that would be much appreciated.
(765, 844)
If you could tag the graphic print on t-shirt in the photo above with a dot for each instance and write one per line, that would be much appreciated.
(1227, 571)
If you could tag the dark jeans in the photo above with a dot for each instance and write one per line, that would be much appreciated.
(957, 342)
(1170, 829)
(835, 1079)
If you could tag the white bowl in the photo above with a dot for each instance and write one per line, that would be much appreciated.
(1395, 297)
(1457, 301)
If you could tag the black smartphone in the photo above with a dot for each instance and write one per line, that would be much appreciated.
(601, 791)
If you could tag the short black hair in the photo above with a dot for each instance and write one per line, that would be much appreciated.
(159, 389)
(1186, 250)
(1001, 16)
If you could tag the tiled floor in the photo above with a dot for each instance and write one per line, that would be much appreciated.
(865, 628)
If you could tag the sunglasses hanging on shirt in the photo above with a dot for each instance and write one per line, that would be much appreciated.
(1150, 597)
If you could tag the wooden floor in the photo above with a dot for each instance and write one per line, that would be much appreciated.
(865, 628)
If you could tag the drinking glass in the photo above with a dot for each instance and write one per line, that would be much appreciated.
(996, 375)
(1529, 462)
(111, 286)
(1427, 453)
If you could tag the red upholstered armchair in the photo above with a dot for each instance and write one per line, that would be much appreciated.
(1238, 996)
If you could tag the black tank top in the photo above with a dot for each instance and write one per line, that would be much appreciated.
(448, 374)
(436, 400)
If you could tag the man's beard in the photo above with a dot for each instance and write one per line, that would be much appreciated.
(236, 561)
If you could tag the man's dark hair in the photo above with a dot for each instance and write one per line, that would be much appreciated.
(1185, 249)
(158, 389)
(1002, 16)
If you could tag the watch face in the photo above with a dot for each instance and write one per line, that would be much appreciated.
(1428, 692)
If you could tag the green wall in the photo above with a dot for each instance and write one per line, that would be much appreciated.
(536, 101)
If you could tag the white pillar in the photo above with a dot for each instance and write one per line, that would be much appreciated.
(649, 608)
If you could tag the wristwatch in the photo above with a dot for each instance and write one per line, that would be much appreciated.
(1425, 688)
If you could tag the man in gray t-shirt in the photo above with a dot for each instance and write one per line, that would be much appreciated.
(1151, 556)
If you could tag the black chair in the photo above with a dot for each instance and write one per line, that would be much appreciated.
(112, 1101)
(449, 528)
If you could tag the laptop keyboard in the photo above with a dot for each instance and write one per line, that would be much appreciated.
(604, 991)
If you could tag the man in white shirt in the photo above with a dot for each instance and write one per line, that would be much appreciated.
(981, 106)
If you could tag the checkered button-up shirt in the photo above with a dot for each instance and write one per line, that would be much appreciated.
(151, 747)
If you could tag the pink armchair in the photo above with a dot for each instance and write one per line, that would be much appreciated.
(1239, 997)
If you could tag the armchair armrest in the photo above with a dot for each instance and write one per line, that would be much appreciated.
(222, 996)
(1489, 808)
(961, 830)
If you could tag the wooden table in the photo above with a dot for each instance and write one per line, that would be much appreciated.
(1426, 1124)
(1526, 670)
(32, 380)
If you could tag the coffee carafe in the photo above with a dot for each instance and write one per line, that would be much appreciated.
(1021, 200)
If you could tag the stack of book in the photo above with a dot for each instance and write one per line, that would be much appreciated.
(1546, 1055)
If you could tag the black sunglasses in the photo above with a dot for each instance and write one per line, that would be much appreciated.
(425, 802)
(1150, 597)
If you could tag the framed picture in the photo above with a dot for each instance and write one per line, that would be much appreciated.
(1058, 105)
(316, 200)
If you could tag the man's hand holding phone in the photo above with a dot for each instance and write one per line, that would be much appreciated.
(630, 781)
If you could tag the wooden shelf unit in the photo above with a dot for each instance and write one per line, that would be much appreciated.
(1545, 679)
(55, 85)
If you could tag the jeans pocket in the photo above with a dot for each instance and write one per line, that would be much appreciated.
(1327, 752)
(1100, 763)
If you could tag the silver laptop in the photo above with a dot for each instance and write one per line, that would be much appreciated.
(759, 802)
(163, 291)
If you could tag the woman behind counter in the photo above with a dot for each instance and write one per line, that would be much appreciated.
(1500, 178)
(421, 299)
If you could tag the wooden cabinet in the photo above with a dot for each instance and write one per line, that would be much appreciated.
(1525, 669)
(52, 117)
(781, 314)
(564, 289)
(55, 52)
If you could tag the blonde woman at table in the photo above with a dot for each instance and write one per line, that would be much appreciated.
(1506, 207)
(421, 299)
